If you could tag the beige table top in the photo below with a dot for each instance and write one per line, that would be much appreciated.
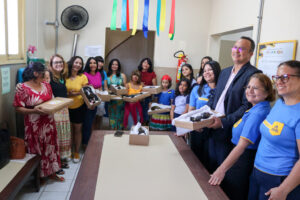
(181, 176)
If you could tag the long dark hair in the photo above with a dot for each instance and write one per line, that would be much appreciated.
(140, 67)
(192, 71)
(200, 73)
(100, 59)
(87, 65)
(28, 73)
(215, 66)
(70, 65)
(110, 72)
(177, 93)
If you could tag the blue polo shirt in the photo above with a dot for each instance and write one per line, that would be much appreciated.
(277, 152)
(199, 101)
(165, 97)
(248, 126)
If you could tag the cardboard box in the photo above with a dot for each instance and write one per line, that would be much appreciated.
(55, 104)
(122, 91)
(193, 125)
(163, 109)
(89, 96)
(137, 98)
(135, 139)
(103, 95)
(153, 89)
(184, 120)
(116, 97)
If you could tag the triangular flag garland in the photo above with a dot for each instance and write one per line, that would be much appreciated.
(123, 19)
(135, 16)
(145, 18)
(114, 16)
(172, 23)
(127, 16)
(160, 17)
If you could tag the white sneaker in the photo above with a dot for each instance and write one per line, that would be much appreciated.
(76, 158)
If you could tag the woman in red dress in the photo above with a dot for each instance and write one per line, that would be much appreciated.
(40, 130)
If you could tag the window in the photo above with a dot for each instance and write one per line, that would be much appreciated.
(12, 31)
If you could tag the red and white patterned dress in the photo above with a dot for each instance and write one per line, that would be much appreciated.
(40, 130)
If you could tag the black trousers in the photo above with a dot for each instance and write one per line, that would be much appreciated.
(199, 145)
(236, 180)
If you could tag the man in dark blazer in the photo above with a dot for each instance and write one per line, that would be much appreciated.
(230, 100)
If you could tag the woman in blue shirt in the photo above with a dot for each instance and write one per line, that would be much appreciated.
(198, 98)
(276, 173)
(245, 136)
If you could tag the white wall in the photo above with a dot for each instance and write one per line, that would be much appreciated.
(199, 25)
(191, 29)
(281, 22)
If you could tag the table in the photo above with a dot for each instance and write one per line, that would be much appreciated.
(32, 166)
(85, 184)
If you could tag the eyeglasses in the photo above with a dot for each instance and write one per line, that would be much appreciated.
(284, 78)
(240, 49)
(253, 87)
(58, 62)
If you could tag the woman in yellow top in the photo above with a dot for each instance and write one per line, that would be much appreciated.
(76, 79)
(134, 87)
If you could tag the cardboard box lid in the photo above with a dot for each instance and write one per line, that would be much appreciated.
(137, 98)
(55, 104)
(153, 89)
(122, 91)
(164, 108)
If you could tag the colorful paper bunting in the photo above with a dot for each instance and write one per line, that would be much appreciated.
(114, 16)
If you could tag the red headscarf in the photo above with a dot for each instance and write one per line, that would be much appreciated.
(166, 77)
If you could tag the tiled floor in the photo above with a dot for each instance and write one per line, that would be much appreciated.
(52, 190)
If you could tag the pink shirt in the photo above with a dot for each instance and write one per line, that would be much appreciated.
(94, 80)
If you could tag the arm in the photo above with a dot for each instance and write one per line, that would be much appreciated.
(26, 111)
(154, 81)
(217, 177)
(124, 79)
(172, 112)
(186, 109)
(191, 108)
(228, 121)
(105, 85)
(290, 183)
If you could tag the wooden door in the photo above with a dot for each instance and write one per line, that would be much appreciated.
(130, 50)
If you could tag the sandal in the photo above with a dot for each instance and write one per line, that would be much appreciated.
(60, 172)
(65, 166)
(57, 178)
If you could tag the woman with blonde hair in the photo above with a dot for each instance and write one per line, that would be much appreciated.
(59, 72)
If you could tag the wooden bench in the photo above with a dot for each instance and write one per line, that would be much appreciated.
(32, 167)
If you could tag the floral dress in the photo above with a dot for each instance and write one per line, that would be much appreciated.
(115, 107)
(40, 130)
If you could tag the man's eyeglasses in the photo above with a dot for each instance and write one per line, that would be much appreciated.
(240, 49)
(57, 62)
(284, 78)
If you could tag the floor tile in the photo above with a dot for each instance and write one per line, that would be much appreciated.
(70, 174)
(53, 196)
(54, 186)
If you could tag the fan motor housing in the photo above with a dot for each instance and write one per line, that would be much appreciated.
(74, 17)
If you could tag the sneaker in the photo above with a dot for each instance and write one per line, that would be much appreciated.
(76, 158)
